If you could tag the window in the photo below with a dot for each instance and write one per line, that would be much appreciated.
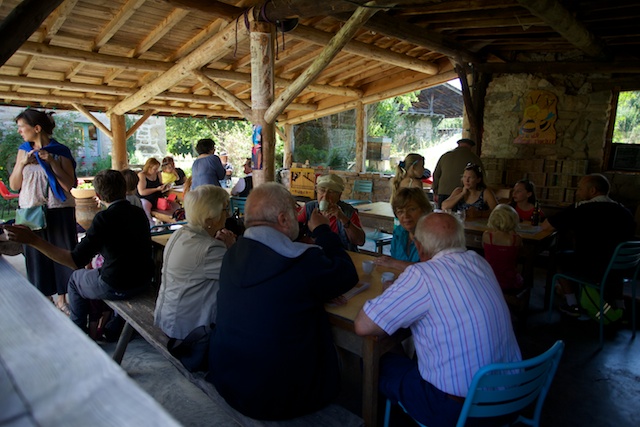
(623, 147)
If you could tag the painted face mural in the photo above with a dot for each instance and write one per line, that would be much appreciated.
(538, 122)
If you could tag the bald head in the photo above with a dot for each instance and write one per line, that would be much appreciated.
(436, 232)
(271, 204)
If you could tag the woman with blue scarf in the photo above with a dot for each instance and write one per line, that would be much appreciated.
(44, 174)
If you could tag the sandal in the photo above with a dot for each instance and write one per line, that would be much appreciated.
(64, 307)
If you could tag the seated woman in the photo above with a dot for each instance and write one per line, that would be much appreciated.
(502, 247)
(473, 197)
(191, 270)
(150, 186)
(409, 173)
(408, 205)
(524, 200)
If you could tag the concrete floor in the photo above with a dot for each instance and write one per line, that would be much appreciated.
(591, 387)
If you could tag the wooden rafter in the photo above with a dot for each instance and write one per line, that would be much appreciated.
(563, 21)
(93, 120)
(342, 37)
(231, 99)
(21, 23)
(128, 9)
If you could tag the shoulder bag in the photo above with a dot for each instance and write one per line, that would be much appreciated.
(34, 217)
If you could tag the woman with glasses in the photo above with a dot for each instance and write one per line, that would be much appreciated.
(473, 197)
(408, 206)
(191, 270)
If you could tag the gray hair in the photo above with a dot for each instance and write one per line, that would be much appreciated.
(437, 232)
(205, 201)
(266, 202)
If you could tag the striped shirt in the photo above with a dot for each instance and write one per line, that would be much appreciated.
(457, 315)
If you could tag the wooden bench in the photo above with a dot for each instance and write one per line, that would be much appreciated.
(138, 315)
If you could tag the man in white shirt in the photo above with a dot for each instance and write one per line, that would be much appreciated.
(458, 317)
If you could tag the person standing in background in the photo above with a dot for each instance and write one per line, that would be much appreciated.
(228, 169)
(44, 173)
(446, 176)
(207, 168)
(244, 185)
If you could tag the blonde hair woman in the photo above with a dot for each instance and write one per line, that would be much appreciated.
(191, 269)
(408, 174)
(150, 186)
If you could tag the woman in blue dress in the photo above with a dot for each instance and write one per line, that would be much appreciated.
(409, 204)
(473, 197)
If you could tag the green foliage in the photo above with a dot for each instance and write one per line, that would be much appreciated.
(627, 125)
(10, 140)
(385, 117)
(65, 132)
(131, 141)
(231, 136)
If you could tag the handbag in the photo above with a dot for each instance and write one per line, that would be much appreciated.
(34, 217)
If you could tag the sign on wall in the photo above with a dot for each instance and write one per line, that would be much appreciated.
(303, 182)
(539, 118)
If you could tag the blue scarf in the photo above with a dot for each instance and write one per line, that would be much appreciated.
(57, 149)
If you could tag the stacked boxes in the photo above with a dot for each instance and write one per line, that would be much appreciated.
(555, 180)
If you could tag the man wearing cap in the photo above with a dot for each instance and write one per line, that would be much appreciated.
(343, 218)
(228, 168)
(446, 176)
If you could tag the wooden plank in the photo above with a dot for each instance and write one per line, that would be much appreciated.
(55, 374)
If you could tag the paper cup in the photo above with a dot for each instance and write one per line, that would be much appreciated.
(323, 205)
(387, 277)
(367, 266)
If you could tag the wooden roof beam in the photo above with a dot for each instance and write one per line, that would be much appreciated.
(563, 21)
(365, 50)
(23, 21)
(93, 120)
(387, 25)
(216, 8)
(229, 97)
(342, 37)
(113, 61)
(214, 48)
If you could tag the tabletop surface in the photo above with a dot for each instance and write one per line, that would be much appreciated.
(51, 373)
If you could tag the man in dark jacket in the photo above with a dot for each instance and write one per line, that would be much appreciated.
(272, 354)
(120, 233)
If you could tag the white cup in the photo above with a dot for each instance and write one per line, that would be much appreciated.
(387, 278)
(367, 266)
(323, 205)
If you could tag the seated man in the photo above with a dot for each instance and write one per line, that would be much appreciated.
(272, 355)
(244, 185)
(343, 218)
(120, 233)
(597, 225)
(457, 315)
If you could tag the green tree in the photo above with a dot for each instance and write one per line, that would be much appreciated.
(627, 125)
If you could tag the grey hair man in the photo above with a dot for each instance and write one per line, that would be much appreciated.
(458, 318)
(272, 354)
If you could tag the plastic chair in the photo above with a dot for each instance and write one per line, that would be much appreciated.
(626, 257)
(236, 202)
(508, 388)
(360, 186)
(8, 196)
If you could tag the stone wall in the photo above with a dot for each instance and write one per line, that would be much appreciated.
(583, 116)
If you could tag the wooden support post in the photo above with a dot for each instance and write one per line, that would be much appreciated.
(119, 159)
(361, 142)
(262, 94)
(288, 146)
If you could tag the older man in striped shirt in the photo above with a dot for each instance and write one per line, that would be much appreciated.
(459, 320)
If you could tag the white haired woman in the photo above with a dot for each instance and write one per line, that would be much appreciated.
(187, 301)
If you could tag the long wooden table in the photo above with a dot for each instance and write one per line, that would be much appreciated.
(370, 349)
(52, 374)
(378, 215)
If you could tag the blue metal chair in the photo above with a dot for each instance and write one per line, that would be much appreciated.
(508, 388)
(363, 187)
(626, 257)
(237, 202)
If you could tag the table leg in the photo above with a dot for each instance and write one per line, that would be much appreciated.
(370, 376)
(123, 341)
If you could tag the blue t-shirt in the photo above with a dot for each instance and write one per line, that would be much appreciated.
(399, 245)
(207, 170)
